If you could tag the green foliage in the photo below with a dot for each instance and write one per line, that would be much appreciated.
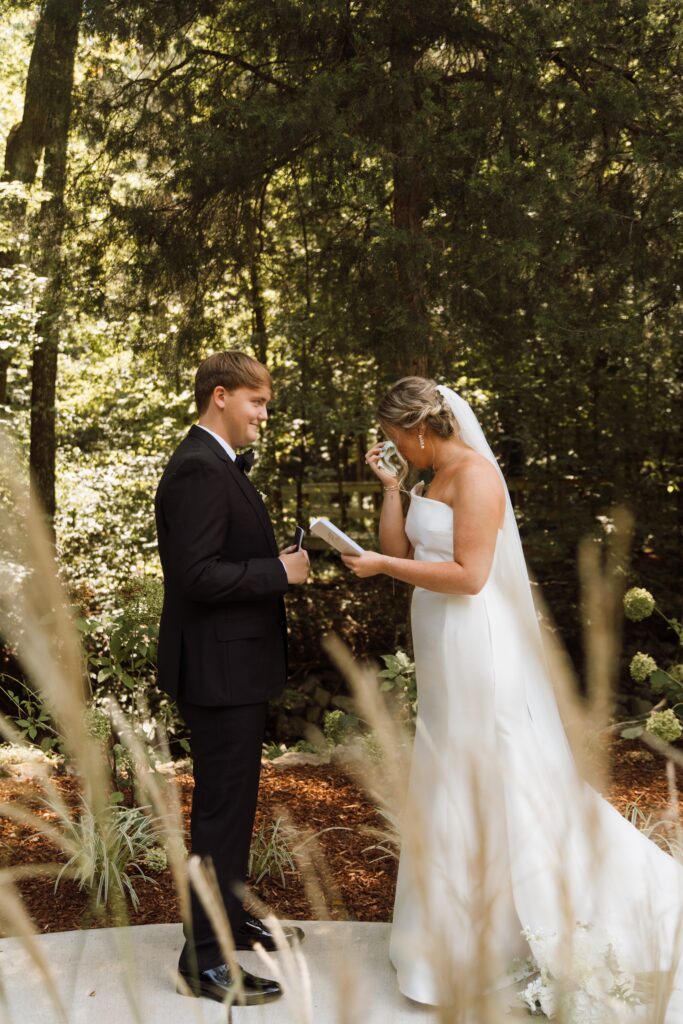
(121, 650)
(156, 859)
(398, 677)
(272, 750)
(118, 422)
(98, 723)
(372, 747)
(304, 747)
(338, 726)
(31, 715)
(132, 633)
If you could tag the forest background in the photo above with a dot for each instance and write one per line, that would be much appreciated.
(488, 193)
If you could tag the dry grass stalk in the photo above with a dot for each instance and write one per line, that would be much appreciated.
(463, 988)
(290, 970)
(202, 877)
(602, 589)
(35, 618)
(163, 798)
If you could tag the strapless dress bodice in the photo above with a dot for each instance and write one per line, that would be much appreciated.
(429, 527)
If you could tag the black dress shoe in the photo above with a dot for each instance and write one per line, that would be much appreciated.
(253, 930)
(217, 983)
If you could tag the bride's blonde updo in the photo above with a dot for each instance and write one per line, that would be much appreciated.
(415, 402)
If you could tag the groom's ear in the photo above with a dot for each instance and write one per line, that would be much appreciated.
(219, 395)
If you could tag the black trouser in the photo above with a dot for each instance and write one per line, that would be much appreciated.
(226, 753)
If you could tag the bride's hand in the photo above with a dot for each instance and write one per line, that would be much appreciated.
(367, 564)
(372, 457)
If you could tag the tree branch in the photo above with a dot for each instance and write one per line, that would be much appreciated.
(246, 65)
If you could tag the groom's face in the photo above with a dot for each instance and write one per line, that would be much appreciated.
(243, 411)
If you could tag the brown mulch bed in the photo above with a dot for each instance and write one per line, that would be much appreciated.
(317, 797)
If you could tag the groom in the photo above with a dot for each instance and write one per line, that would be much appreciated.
(223, 644)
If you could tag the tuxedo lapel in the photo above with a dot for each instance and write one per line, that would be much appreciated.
(256, 501)
(248, 489)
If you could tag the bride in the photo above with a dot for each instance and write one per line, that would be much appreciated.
(509, 856)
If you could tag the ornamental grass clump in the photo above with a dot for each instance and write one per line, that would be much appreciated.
(108, 855)
(270, 854)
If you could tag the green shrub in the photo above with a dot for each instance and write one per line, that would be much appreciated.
(31, 716)
(156, 859)
(338, 726)
(304, 747)
(398, 677)
(122, 647)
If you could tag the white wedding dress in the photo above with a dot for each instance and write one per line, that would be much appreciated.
(501, 833)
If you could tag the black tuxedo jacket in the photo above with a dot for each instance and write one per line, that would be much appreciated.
(223, 633)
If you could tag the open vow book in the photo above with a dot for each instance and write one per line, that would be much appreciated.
(335, 537)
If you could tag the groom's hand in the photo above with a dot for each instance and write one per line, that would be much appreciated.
(296, 563)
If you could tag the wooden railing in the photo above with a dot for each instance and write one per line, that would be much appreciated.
(352, 505)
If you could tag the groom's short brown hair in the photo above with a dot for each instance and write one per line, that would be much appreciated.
(230, 370)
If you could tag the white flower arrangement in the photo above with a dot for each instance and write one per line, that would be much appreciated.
(588, 980)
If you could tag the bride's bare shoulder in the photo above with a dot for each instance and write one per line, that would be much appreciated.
(475, 471)
(474, 462)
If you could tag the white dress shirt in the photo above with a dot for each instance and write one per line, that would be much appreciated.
(222, 442)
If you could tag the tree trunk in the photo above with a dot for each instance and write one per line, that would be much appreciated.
(254, 226)
(49, 87)
(410, 352)
(26, 140)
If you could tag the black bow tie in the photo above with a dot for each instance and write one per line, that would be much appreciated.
(245, 460)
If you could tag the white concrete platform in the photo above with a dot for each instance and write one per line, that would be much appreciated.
(126, 976)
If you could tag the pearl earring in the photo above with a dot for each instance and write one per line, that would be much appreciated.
(421, 439)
